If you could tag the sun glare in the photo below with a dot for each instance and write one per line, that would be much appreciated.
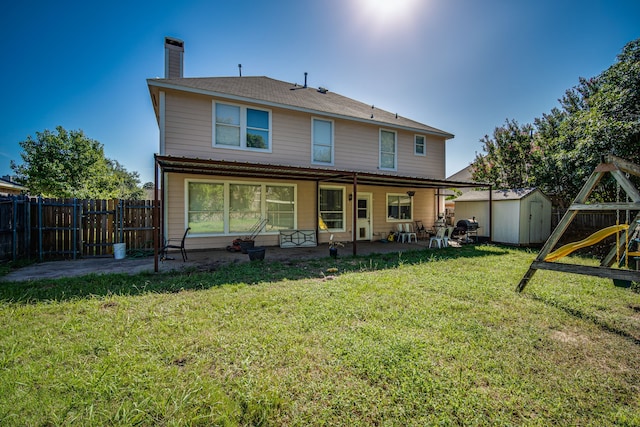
(391, 14)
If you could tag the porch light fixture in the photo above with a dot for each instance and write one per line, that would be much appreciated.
(411, 193)
(350, 196)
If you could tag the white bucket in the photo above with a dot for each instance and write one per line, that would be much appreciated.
(119, 250)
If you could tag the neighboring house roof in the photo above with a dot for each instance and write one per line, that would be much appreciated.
(462, 174)
(498, 195)
(9, 187)
(275, 93)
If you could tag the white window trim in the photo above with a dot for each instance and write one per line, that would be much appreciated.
(225, 191)
(415, 145)
(344, 207)
(315, 162)
(395, 156)
(387, 208)
(243, 128)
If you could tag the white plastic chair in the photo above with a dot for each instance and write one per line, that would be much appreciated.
(438, 238)
(408, 229)
(402, 235)
(447, 236)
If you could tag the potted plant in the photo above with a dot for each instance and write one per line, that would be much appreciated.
(333, 247)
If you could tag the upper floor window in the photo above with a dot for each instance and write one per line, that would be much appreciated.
(241, 127)
(322, 141)
(388, 150)
(420, 146)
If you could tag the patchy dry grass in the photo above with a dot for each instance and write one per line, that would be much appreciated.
(420, 338)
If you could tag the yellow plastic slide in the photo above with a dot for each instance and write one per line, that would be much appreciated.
(594, 238)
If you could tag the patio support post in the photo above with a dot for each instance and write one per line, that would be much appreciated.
(156, 219)
(317, 211)
(355, 213)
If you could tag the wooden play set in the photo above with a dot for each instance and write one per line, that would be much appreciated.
(622, 263)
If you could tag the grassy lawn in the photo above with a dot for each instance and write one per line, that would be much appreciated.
(419, 338)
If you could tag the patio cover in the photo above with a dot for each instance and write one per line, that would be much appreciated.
(174, 164)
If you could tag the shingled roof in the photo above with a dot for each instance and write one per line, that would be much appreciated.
(275, 93)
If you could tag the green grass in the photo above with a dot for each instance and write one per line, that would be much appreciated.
(420, 338)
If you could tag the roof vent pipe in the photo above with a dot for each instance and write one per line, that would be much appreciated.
(305, 79)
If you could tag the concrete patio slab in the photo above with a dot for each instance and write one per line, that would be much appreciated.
(202, 260)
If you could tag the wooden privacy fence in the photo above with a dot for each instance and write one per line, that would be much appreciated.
(35, 227)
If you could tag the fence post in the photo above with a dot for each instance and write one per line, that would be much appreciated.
(120, 216)
(74, 224)
(27, 226)
(14, 237)
(40, 257)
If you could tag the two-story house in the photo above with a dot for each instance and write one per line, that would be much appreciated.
(234, 150)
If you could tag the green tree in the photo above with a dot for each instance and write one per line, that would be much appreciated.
(69, 164)
(124, 184)
(509, 157)
(600, 115)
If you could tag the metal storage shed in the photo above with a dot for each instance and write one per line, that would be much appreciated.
(520, 216)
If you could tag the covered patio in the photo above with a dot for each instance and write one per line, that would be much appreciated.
(209, 167)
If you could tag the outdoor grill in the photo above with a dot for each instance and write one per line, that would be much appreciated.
(466, 228)
(467, 225)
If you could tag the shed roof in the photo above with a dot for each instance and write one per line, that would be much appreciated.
(497, 195)
(276, 93)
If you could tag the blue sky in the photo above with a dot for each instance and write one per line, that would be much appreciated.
(463, 66)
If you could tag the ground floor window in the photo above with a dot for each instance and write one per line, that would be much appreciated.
(234, 208)
(280, 207)
(399, 207)
(205, 207)
(332, 206)
(245, 207)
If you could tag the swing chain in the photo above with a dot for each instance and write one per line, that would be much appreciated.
(617, 203)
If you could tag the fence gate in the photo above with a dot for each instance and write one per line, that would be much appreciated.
(98, 227)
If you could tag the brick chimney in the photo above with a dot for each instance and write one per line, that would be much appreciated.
(173, 58)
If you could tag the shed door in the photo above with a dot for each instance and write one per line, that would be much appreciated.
(535, 222)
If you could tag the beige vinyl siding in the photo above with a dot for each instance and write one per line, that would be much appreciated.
(356, 146)
(432, 165)
(291, 138)
(188, 125)
(189, 133)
